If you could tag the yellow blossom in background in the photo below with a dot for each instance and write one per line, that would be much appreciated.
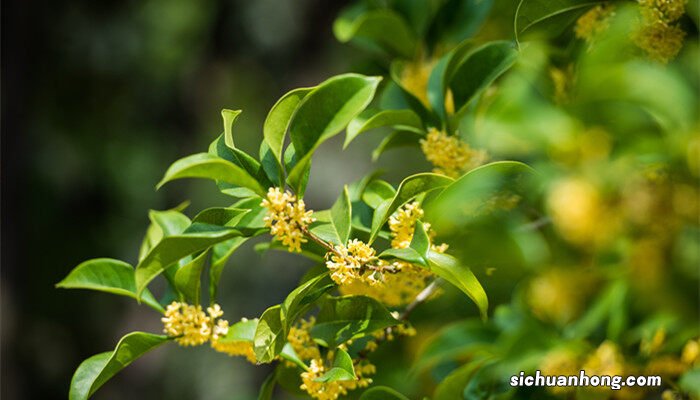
(559, 295)
(649, 346)
(577, 211)
(287, 218)
(235, 348)
(333, 390)
(606, 360)
(660, 41)
(691, 352)
(560, 362)
(299, 338)
(659, 35)
(414, 78)
(191, 326)
(594, 22)
(662, 10)
(403, 223)
(666, 366)
(449, 154)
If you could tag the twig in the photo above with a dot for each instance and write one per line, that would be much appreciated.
(420, 298)
(320, 241)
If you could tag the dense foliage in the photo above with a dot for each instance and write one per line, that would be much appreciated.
(565, 179)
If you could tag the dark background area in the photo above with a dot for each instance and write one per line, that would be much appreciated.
(98, 98)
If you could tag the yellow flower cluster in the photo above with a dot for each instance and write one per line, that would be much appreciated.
(333, 390)
(355, 262)
(559, 294)
(191, 326)
(414, 78)
(300, 340)
(287, 218)
(594, 22)
(406, 280)
(236, 348)
(659, 35)
(449, 154)
(560, 362)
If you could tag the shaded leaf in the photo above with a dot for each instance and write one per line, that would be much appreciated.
(383, 28)
(172, 248)
(382, 393)
(479, 69)
(98, 369)
(279, 117)
(188, 278)
(349, 317)
(270, 335)
(301, 298)
(221, 252)
(409, 188)
(341, 217)
(451, 270)
(376, 192)
(107, 275)
(373, 118)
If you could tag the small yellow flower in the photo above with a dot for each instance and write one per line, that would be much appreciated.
(235, 348)
(287, 218)
(299, 338)
(577, 210)
(406, 280)
(662, 10)
(350, 263)
(191, 326)
(560, 362)
(449, 154)
(649, 346)
(660, 41)
(414, 78)
(594, 22)
(606, 360)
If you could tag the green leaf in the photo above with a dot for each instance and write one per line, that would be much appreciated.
(382, 393)
(172, 248)
(373, 118)
(460, 19)
(395, 140)
(382, 28)
(468, 195)
(454, 342)
(289, 354)
(221, 216)
(208, 166)
(229, 117)
(411, 187)
(98, 369)
(341, 217)
(323, 113)
(107, 275)
(242, 331)
(343, 361)
(240, 159)
(349, 317)
(533, 12)
(442, 73)
(335, 374)
(279, 117)
(409, 255)
(221, 252)
(420, 242)
(271, 165)
(452, 387)
(376, 192)
(268, 387)
(451, 270)
(188, 278)
(301, 298)
(270, 335)
(396, 96)
(689, 382)
(479, 69)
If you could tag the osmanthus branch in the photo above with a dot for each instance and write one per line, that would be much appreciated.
(320, 241)
(420, 298)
